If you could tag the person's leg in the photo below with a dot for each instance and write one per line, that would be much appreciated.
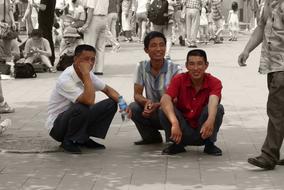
(218, 122)
(71, 125)
(188, 21)
(100, 118)
(100, 45)
(4, 107)
(168, 34)
(270, 151)
(45, 60)
(147, 127)
(195, 25)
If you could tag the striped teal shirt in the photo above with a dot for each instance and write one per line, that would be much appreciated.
(155, 87)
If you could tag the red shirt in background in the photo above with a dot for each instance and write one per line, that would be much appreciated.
(189, 102)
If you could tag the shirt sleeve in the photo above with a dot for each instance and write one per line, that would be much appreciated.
(216, 87)
(69, 90)
(138, 77)
(172, 90)
(97, 82)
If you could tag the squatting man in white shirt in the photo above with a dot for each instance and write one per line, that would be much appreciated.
(73, 114)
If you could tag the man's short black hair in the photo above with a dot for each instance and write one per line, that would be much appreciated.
(197, 52)
(151, 35)
(36, 33)
(84, 47)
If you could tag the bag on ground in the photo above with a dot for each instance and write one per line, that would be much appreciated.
(24, 70)
(64, 62)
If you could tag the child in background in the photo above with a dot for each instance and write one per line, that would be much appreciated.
(203, 27)
(233, 21)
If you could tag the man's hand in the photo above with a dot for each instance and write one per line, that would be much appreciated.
(149, 108)
(206, 130)
(83, 28)
(129, 112)
(243, 58)
(176, 133)
(84, 68)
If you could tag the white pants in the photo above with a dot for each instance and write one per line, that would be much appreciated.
(95, 36)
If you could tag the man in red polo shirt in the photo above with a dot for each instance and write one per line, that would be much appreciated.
(191, 112)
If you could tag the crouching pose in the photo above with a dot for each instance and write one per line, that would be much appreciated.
(191, 111)
(74, 115)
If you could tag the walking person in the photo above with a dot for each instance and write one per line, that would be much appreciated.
(233, 21)
(73, 113)
(95, 30)
(268, 32)
(193, 8)
(112, 18)
(46, 21)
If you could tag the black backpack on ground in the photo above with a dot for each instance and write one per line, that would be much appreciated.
(64, 62)
(24, 70)
(158, 12)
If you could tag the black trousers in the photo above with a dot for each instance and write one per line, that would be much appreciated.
(192, 136)
(80, 122)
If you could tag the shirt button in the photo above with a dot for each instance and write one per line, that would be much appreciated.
(194, 98)
(191, 111)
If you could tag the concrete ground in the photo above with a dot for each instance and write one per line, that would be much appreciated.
(29, 159)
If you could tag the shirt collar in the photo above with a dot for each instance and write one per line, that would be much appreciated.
(204, 84)
(74, 75)
(164, 69)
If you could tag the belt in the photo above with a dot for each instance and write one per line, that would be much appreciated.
(99, 15)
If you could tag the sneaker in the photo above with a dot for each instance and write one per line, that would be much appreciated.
(93, 145)
(5, 108)
(212, 149)
(52, 70)
(4, 125)
(116, 48)
(261, 162)
(70, 147)
(173, 149)
(149, 141)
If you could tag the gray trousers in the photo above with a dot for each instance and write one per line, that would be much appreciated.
(1, 92)
(191, 136)
(147, 127)
(80, 122)
(275, 111)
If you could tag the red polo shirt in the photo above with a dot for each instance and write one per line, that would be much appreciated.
(189, 102)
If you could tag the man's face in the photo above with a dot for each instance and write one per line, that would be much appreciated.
(196, 67)
(156, 49)
(85, 57)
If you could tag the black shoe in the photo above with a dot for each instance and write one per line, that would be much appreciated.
(149, 141)
(173, 149)
(212, 150)
(98, 73)
(93, 145)
(280, 162)
(261, 162)
(71, 147)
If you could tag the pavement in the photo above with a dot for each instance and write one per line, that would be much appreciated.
(30, 159)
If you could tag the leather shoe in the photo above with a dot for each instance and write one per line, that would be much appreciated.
(280, 162)
(173, 149)
(70, 147)
(261, 162)
(93, 145)
(149, 141)
(212, 150)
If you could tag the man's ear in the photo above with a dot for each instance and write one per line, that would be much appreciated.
(146, 50)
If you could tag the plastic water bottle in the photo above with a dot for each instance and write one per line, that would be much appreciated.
(122, 106)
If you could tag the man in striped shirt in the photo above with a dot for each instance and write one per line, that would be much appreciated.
(154, 76)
